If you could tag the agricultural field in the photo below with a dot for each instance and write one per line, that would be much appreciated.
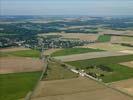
(80, 88)
(129, 64)
(106, 68)
(89, 55)
(116, 32)
(104, 38)
(70, 51)
(58, 71)
(124, 85)
(82, 45)
(127, 51)
(50, 51)
(21, 53)
(16, 60)
(19, 64)
(122, 39)
(20, 69)
(107, 46)
(80, 36)
(17, 85)
(13, 49)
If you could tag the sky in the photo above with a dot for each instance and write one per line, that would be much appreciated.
(66, 7)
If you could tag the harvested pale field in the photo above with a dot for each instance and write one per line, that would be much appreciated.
(116, 39)
(80, 36)
(114, 32)
(107, 46)
(90, 37)
(129, 64)
(76, 89)
(13, 49)
(122, 39)
(127, 51)
(125, 86)
(18, 64)
(91, 55)
(50, 51)
(76, 27)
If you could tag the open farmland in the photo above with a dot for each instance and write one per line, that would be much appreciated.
(70, 51)
(107, 46)
(17, 85)
(20, 69)
(13, 49)
(116, 32)
(89, 55)
(76, 89)
(19, 64)
(127, 51)
(118, 72)
(58, 71)
(80, 36)
(122, 39)
(129, 64)
(21, 53)
(104, 38)
(124, 85)
(50, 51)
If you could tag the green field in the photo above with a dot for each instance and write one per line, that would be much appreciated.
(70, 51)
(120, 72)
(21, 53)
(104, 38)
(17, 85)
(57, 71)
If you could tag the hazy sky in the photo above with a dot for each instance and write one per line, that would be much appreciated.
(66, 7)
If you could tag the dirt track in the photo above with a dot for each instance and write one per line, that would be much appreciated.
(76, 89)
(18, 64)
(88, 56)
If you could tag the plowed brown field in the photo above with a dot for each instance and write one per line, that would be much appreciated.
(125, 86)
(18, 64)
(76, 89)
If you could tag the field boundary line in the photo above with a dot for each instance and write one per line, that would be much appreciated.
(45, 62)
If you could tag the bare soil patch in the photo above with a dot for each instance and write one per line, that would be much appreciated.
(76, 89)
(18, 64)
